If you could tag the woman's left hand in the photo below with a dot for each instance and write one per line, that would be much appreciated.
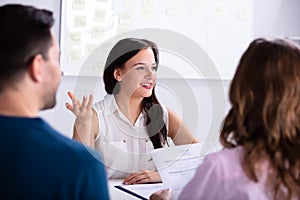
(143, 176)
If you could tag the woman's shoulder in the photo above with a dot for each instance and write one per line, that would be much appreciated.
(227, 154)
(107, 104)
(226, 159)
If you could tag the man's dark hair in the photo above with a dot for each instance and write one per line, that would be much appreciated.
(24, 33)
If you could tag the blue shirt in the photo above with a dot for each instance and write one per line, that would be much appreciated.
(37, 162)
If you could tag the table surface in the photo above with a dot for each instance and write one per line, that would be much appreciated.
(116, 194)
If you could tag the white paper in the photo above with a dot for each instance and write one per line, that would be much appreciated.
(177, 165)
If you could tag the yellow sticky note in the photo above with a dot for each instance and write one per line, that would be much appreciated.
(147, 10)
(75, 55)
(243, 13)
(197, 5)
(125, 17)
(75, 37)
(89, 48)
(99, 16)
(97, 32)
(172, 8)
(78, 4)
(219, 9)
(79, 21)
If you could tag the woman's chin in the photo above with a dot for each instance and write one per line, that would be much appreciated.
(148, 94)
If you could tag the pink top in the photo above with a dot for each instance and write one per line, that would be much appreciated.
(221, 176)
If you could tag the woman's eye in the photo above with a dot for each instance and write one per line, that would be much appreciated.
(154, 68)
(140, 68)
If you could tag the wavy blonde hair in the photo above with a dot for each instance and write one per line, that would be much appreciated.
(265, 113)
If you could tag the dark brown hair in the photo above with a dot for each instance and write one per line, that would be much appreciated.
(264, 116)
(118, 56)
(24, 33)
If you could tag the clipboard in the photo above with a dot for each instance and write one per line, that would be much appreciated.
(141, 191)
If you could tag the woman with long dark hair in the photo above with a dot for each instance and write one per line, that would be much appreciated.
(129, 122)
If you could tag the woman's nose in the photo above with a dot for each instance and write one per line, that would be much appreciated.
(148, 76)
(149, 73)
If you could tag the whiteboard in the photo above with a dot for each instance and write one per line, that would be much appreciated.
(197, 39)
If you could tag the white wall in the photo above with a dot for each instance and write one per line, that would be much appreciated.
(276, 18)
(205, 103)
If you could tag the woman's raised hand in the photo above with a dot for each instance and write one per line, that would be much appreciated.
(82, 110)
(84, 116)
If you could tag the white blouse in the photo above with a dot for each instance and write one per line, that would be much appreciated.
(125, 147)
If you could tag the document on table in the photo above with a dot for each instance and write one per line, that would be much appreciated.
(177, 165)
(141, 191)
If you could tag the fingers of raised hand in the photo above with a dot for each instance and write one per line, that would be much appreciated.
(84, 103)
(72, 96)
(76, 106)
(87, 103)
(69, 106)
(90, 102)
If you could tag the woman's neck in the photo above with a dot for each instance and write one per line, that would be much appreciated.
(129, 106)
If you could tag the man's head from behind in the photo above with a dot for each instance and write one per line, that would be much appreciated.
(29, 51)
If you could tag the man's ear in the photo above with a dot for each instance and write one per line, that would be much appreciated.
(36, 68)
(117, 74)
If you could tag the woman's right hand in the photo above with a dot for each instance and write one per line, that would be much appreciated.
(82, 111)
(84, 115)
